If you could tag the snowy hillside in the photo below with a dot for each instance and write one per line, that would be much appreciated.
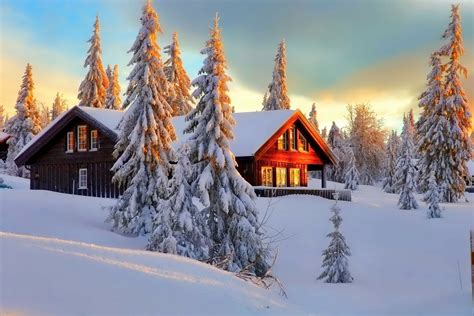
(58, 257)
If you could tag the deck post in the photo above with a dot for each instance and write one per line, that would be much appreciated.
(323, 177)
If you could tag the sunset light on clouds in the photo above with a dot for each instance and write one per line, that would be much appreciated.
(339, 53)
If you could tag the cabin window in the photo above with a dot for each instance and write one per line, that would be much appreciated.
(293, 138)
(82, 138)
(70, 142)
(83, 178)
(303, 143)
(295, 177)
(281, 177)
(283, 141)
(94, 140)
(267, 176)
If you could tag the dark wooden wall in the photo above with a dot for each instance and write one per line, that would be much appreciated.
(55, 170)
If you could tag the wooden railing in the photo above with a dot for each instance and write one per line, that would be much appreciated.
(344, 195)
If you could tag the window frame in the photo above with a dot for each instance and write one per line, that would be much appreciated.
(304, 143)
(292, 177)
(293, 138)
(96, 143)
(79, 138)
(282, 142)
(82, 177)
(278, 177)
(68, 142)
(267, 176)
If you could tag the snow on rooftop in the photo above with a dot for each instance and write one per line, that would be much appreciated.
(109, 118)
(251, 131)
(3, 137)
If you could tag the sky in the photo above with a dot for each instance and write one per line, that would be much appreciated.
(339, 52)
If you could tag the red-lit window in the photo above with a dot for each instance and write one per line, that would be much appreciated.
(82, 138)
(70, 142)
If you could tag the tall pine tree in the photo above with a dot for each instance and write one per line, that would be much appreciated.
(351, 178)
(59, 106)
(22, 126)
(180, 98)
(405, 173)
(93, 88)
(454, 106)
(277, 97)
(313, 119)
(143, 149)
(112, 100)
(393, 148)
(228, 199)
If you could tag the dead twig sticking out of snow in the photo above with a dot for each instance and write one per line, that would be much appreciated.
(266, 281)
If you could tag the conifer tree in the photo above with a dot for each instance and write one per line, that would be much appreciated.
(433, 197)
(338, 145)
(454, 107)
(181, 228)
(313, 117)
(324, 133)
(335, 263)
(112, 100)
(143, 148)
(108, 72)
(351, 180)
(21, 128)
(405, 174)
(393, 147)
(59, 106)
(93, 88)
(45, 116)
(427, 126)
(228, 199)
(180, 98)
(277, 98)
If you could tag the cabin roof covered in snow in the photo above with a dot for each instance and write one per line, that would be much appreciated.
(251, 132)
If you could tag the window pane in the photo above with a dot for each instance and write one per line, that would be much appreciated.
(82, 138)
(267, 176)
(281, 177)
(70, 141)
(294, 177)
(94, 139)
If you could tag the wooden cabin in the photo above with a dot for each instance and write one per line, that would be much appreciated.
(74, 153)
(3, 145)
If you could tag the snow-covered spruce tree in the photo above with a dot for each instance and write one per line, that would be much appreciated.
(181, 228)
(59, 106)
(339, 147)
(433, 197)
(312, 118)
(393, 147)
(277, 97)
(405, 173)
(112, 100)
(428, 125)
(93, 88)
(351, 180)
(180, 100)
(108, 72)
(45, 116)
(335, 262)
(23, 126)
(324, 133)
(454, 107)
(229, 200)
(143, 148)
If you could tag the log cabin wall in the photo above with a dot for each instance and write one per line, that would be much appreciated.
(55, 169)
(290, 158)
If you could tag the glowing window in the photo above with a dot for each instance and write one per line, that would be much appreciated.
(94, 140)
(295, 177)
(82, 138)
(267, 176)
(281, 177)
(283, 141)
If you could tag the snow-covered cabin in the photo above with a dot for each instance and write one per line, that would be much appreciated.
(3, 145)
(73, 154)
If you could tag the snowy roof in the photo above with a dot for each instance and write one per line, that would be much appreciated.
(251, 131)
(3, 137)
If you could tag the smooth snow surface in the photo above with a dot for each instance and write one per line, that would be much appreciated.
(59, 258)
